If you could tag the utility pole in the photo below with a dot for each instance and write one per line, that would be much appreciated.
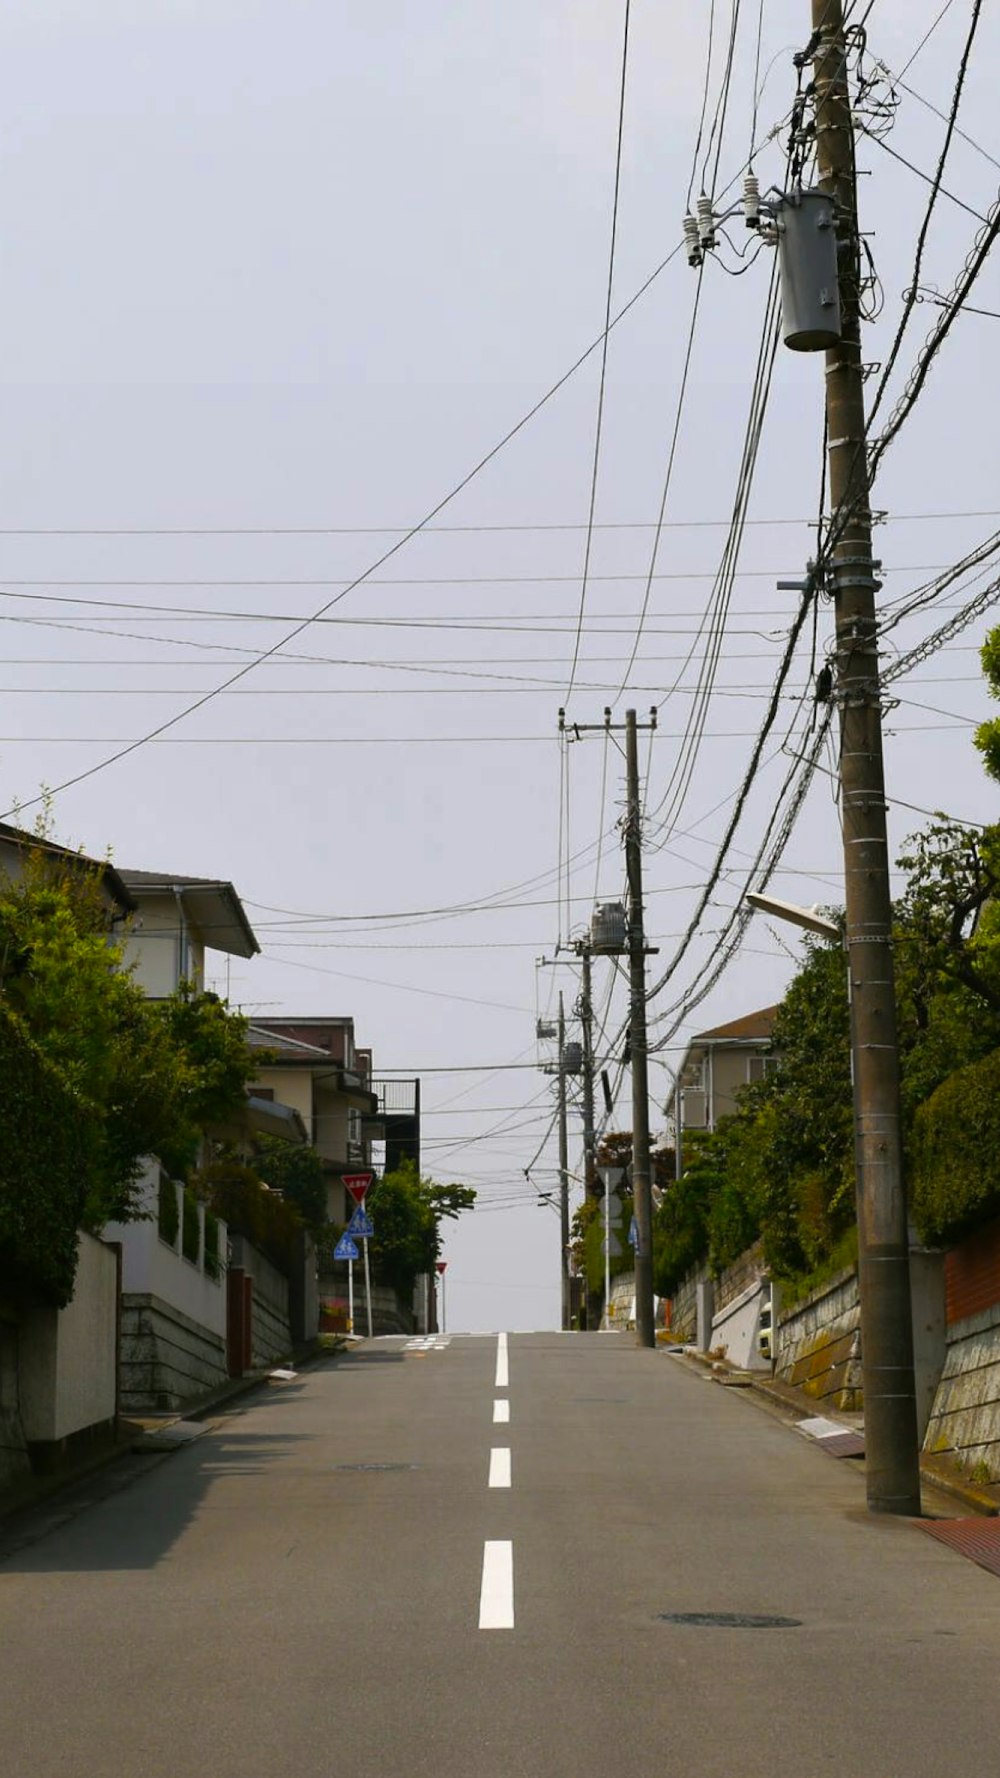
(892, 1457)
(585, 1008)
(638, 951)
(641, 1181)
(563, 1175)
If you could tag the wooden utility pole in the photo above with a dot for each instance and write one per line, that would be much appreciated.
(641, 1181)
(591, 1185)
(891, 1445)
(563, 1175)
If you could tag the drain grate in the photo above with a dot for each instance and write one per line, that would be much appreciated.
(729, 1620)
(979, 1539)
(371, 1468)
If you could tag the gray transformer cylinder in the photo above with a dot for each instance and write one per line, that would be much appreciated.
(807, 261)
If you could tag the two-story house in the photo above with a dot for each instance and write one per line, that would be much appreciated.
(716, 1065)
(176, 920)
(316, 1071)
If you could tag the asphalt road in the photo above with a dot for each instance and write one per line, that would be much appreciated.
(343, 1576)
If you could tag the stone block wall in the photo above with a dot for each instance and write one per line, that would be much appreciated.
(166, 1359)
(966, 1414)
(818, 1344)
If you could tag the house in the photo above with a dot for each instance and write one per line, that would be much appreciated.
(176, 920)
(715, 1067)
(314, 1072)
(16, 845)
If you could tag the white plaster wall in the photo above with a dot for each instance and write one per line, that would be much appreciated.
(152, 1268)
(69, 1357)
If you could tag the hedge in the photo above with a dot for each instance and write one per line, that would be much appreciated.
(47, 1134)
(955, 1171)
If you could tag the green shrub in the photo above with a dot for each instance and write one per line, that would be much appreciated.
(955, 1175)
(167, 1213)
(191, 1235)
(233, 1192)
(213, 1258)
(49, 1141)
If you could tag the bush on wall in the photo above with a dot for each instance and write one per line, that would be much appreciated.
(50, 1135)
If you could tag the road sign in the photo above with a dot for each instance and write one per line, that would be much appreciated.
(360, 1226)
(346, 1248)
(357, 1184)
(442, 1265)
(611, 1177)
(611, 1245)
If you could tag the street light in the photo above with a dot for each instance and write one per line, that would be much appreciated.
(809, 918)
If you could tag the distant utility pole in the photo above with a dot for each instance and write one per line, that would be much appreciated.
(637, 953)
(563, 1175)
(892, 1456)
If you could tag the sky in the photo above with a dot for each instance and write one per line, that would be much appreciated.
(276, 281)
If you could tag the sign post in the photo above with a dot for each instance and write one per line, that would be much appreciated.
(346, 1248)
(612, 1177)
(356, 1185)
(441, 1267)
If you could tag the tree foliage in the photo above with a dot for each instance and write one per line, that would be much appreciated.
(133, 1077)
(407, 1211)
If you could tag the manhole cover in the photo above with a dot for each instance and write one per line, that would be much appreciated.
(729, 1620)
(371, 1468)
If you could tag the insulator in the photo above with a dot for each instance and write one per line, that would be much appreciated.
(691, 241)
(751, 200)
(706, 222)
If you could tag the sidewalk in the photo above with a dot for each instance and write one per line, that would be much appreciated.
(937, 1472)
(138, 1434)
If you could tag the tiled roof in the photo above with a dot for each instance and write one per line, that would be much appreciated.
(753, 1025)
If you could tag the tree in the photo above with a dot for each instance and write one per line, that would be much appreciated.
(407, 1211)
(296, 1171)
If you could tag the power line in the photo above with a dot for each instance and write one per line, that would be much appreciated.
(604, 356)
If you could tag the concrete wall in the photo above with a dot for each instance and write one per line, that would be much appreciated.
(272, 1336)
(167, 1359)
(736, 1327)
(151, 1267)
(67, 1358)
(684, 1310)
(173, 1342)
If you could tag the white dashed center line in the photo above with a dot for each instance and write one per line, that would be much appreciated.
(496, 1597)
(502, 1376)
(500, 1466)
(501, 1413)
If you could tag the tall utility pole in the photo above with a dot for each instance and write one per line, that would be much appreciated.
(641, 1180)
(563, 1175)
(892, 1456)
(585, 1008)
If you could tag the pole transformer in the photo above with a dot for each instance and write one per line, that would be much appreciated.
(891, 1442)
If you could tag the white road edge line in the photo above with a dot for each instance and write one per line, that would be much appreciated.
(500, 1466)
(501, 1381)
(496, 1597)
(501, 1413)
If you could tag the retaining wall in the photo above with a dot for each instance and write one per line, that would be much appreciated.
(818, 1346)
(167, 1358)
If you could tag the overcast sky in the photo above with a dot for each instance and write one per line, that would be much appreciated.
(275, 279)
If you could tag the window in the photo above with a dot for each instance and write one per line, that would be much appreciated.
(759, 1067)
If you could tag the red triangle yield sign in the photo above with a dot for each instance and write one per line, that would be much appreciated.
(357, 1185)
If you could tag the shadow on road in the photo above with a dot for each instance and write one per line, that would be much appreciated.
(131, 1514)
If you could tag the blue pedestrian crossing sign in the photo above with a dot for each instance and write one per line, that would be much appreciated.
(633, 1235)
(360, 1226)
(345, 1248)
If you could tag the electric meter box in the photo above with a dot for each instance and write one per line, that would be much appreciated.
(807, 262)
(572, 1058)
